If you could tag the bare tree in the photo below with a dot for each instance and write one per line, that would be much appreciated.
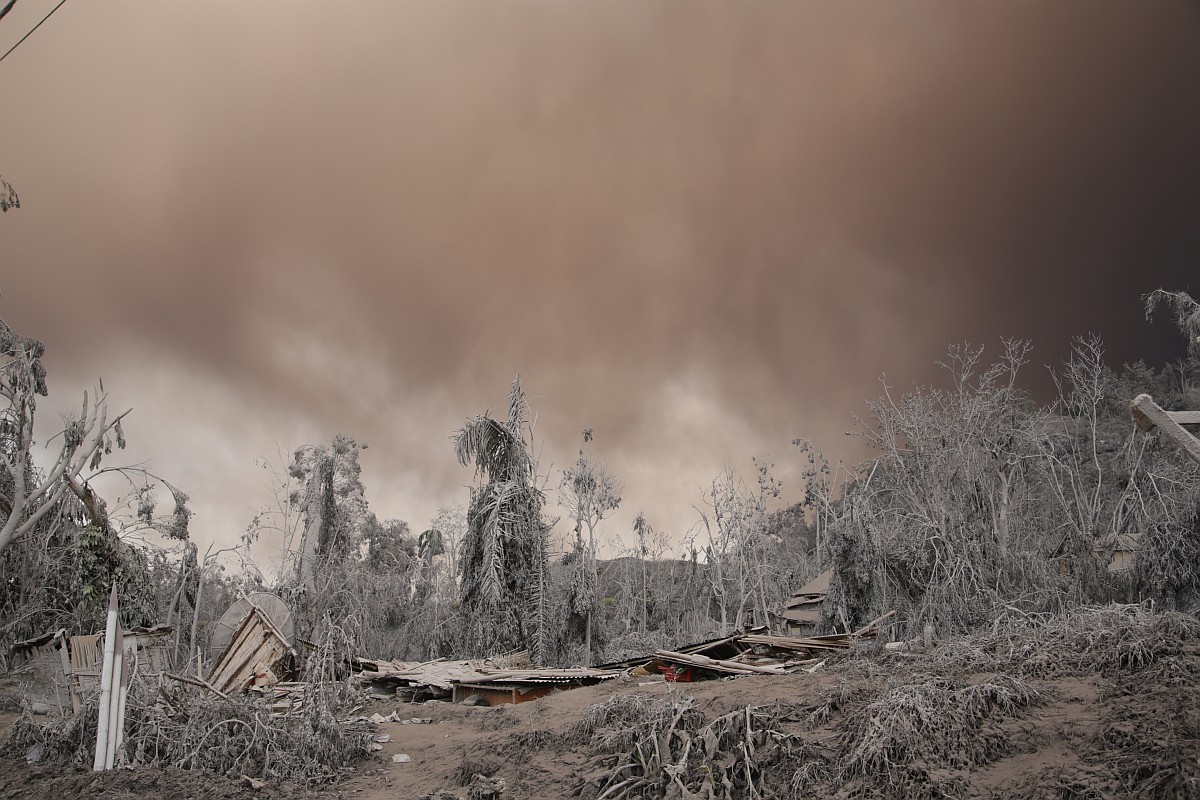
(280, 520)
(643, 530)
(742, 569)
(946, 513)
(590, 493)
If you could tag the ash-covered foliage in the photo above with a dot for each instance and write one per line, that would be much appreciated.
(981, 498)
(1111, 640)
(898, 727)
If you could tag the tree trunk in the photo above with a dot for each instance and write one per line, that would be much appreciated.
(645, 592)
(1002, 523)
(587, 640)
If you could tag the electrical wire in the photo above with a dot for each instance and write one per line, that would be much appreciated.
(35, 27)
(4, 11)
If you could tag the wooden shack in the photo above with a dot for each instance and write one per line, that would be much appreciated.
(801, 615)
(258, 654)
(62, 672)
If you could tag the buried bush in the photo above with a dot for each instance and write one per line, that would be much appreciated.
(194, 730)
(664, 747)
(1113, 640)
(918, 727)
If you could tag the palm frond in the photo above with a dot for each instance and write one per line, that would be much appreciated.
(1186, 311)
(517, 408)
(486, 442)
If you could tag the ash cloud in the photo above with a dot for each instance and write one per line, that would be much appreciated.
(701, 229)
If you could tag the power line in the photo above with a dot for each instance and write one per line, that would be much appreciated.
(35, 27)
(4, 11)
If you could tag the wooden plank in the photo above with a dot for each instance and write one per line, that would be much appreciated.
(235, 650)
(704, 662)
(196, 682)
(1185, 417)
(871, 625)
(1149, 415)
(241, 647)
(796, 643)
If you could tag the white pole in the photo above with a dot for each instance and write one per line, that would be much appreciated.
(114, 701)
(127, 662)
(106, 674)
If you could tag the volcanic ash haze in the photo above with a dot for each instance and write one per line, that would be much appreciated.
(701, 228)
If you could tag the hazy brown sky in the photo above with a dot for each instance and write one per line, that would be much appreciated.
(699, 228)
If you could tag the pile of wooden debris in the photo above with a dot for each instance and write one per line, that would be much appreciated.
(755, 651)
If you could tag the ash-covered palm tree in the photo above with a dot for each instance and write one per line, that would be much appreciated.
(503, 559)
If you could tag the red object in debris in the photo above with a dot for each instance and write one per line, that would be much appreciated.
(673, 673)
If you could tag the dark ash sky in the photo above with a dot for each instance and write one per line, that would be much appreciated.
(701, 228)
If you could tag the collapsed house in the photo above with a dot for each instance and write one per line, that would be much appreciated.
(755, 651)
(470, 681)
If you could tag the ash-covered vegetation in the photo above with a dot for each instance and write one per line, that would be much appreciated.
(979, 502)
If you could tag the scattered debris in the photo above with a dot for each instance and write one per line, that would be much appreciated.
(401, 758)
(253, 783)
(755, 652)
(484, 788)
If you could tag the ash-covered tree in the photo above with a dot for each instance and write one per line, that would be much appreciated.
(451, 525)
(1186, 311)
(29, 494)
(8, 196)
(643, 530)
(590, 493)
(503, 556)
(334, 506)
(329, 492)
(54, 511)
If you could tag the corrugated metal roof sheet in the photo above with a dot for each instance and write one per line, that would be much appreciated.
(818, 585)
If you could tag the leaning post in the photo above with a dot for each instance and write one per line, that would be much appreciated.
(1150, 415)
